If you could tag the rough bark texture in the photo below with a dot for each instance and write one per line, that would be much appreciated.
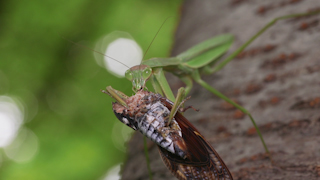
(277, 80)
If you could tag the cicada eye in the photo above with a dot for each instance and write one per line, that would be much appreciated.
(146, 73)
(129, 75)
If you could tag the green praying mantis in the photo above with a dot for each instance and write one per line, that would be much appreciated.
(203, 58)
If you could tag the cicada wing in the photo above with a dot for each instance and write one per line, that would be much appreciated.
(202, 161)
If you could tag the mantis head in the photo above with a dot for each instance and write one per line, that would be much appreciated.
(138, 75)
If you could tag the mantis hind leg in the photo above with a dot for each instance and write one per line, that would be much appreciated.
(197, 78)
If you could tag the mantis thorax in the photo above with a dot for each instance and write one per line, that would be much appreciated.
(138, 75)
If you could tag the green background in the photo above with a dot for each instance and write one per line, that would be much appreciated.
(59, 82)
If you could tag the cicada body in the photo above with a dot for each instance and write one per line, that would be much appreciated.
(182, 148)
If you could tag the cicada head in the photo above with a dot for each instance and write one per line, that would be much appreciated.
(121, 114)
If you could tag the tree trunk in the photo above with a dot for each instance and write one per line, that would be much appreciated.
(277, 79)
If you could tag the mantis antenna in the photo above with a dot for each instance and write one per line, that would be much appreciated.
(144, 71)
(96, 52)
(155, 36)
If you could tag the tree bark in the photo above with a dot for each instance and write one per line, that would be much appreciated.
(277, 79)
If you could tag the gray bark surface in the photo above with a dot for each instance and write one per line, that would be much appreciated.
(277, 79)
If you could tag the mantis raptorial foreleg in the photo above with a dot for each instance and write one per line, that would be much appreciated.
(177, 104)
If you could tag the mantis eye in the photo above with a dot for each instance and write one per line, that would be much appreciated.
(146, 73)
(129, 75)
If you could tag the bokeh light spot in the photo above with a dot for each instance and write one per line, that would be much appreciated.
(11, 119)
(113, 173)
(24, 147)
(124, 50)
(19, 144)
(121, 53)
(120, 135)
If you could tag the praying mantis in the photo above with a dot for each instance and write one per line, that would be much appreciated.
(189, 65)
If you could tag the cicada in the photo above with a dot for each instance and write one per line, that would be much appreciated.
(182, 148)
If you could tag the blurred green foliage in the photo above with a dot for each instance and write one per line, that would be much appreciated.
(59, 82)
